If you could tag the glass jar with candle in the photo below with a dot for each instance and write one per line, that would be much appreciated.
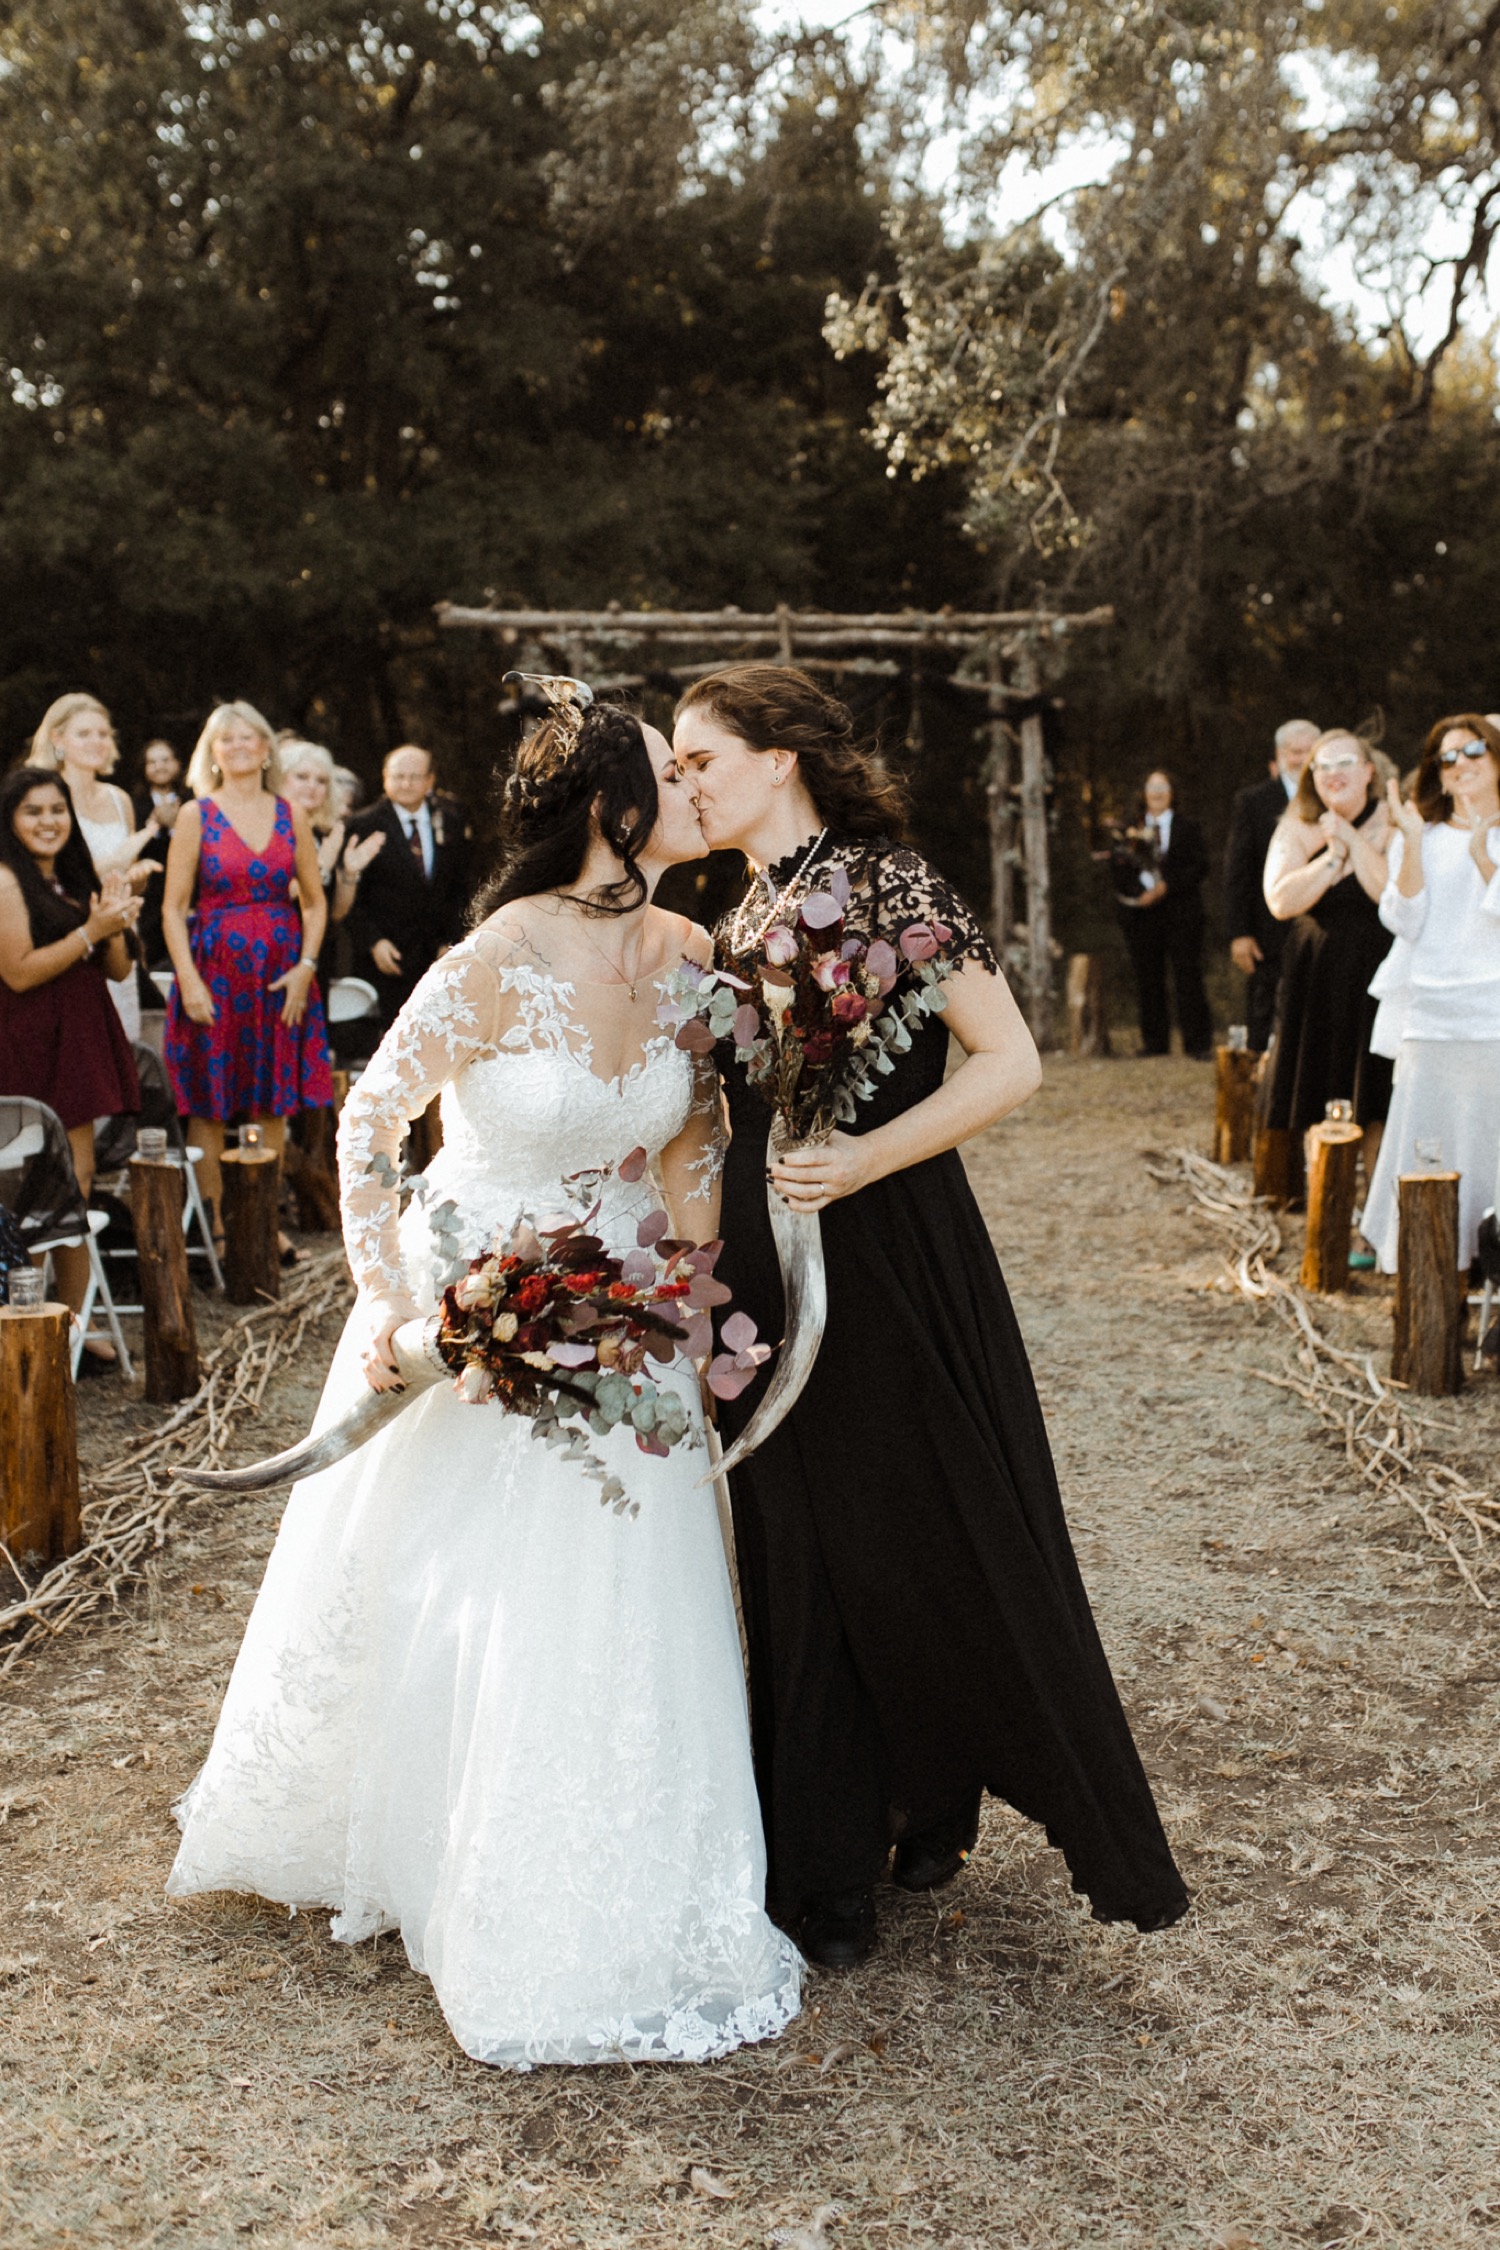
(1339, 1113)
(24, 1288)
(151, 1143)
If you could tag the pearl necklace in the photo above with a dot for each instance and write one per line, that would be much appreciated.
(742, 940)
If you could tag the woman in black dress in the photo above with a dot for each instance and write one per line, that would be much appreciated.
(1325, 871)
(917, 1626)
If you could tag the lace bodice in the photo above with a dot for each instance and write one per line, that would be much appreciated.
(528, 1123)
(890, 887)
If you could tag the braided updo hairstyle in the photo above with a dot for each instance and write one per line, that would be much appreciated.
(776, 707)
(575, 778)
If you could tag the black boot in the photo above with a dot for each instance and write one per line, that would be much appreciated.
(838, 1930)
(934, 1855)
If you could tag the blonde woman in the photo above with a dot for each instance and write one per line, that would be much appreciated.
(77, 740)
(1325, 872)
(245, 1038)
(309, 779)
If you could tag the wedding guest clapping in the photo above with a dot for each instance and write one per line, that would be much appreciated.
(1325, 872)
(62, 937)
(1256, 938)
(1439, 987)
(77, 739)
(156, 802)
(245, 1037)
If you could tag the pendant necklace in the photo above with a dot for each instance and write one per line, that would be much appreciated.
(743, 940)
(629, 982)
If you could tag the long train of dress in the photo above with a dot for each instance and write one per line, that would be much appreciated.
(472, 1703)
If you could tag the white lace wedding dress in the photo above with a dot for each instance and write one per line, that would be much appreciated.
(473, 1703)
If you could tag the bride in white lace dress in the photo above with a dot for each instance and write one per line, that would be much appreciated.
(472, 1703)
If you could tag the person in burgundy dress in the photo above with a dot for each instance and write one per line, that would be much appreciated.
(62, 938)
(246, 1040)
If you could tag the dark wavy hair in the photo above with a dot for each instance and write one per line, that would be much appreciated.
(561, 787)
(776, 707)
(51, 913)
(1430, 797)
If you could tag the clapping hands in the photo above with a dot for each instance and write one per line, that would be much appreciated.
(1404, 815)
(113, 909)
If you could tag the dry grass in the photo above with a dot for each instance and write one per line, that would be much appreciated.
(1307, 2060)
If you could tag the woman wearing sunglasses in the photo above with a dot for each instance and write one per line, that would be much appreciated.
(1325, 873)
(1439, 988)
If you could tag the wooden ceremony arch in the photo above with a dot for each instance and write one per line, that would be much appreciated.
(1005, 648)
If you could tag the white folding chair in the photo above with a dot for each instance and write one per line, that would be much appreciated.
(31, 1128)
(165, 982)
(351, 998)
(1489, 1260)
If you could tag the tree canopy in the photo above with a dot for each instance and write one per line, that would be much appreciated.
(318, 313)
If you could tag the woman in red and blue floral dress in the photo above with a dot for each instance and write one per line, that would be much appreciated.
(245, 1039)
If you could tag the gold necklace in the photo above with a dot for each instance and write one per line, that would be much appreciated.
(629, 982)
(741, 940)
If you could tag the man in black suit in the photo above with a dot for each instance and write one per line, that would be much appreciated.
(1256, 937)
(412, 895)
(156, 804)
(1161, 914)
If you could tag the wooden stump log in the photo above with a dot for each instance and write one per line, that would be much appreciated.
(39, 1519)
(1272, 1158)
(1235, 1070)
(1088, 1020)
(157, 1192)
(311, 1172)
(340, 1089)
(1427, 1354)
(1332, 1176)
(252, 1263)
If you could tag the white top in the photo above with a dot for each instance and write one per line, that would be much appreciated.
(109, 840)
(1441, 978)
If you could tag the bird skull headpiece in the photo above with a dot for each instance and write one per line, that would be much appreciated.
(556, 738)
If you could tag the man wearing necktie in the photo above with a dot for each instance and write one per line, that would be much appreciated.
(1162, 920)
(414, 893)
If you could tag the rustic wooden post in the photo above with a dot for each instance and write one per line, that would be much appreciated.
(39, 1519)
(340, 1089)
(1271, 1155)
(1332, 1174)
(1088, 1021)
(1427, 1353)
(1002, 813)
(1234, 1103)
(157, 1190)
(1034, 850)
(252, 1263)
(311, 1172)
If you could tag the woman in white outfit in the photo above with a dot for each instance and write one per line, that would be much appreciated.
(1439, 987)
(473, 1704)
(77, 739)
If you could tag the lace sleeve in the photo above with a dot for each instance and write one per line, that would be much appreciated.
(452, 1017)
(690, 1164)
(903, 888)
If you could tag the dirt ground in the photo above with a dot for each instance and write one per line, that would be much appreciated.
(1307, 2060)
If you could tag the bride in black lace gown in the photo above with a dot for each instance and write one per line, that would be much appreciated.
(918, 1629)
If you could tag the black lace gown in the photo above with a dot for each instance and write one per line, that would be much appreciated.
(918, 1628)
